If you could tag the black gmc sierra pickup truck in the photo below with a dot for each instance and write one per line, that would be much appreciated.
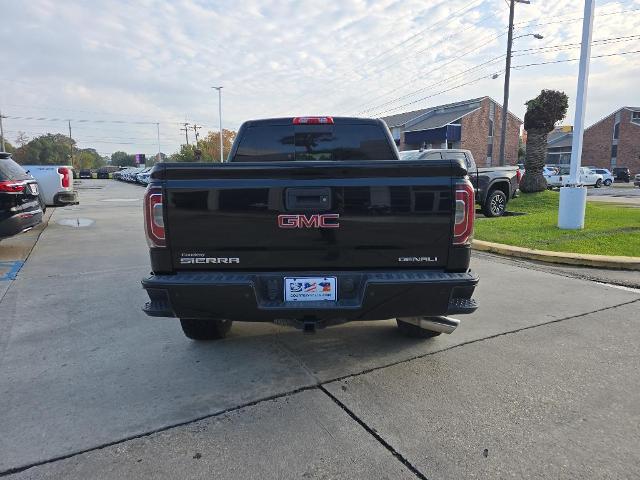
(313, 221)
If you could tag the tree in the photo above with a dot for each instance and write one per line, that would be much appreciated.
(88, 158)
(209, 148)
(8, 147)
(48, 149)
(22, 139)
(122, 159)
(186, 154)
(210, 145)
(543, 112)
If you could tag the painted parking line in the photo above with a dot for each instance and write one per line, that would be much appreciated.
(9, 270)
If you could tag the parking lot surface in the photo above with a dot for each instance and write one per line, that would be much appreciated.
(540, 382)
(624, 193)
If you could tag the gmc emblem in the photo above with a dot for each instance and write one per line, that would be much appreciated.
(326, 220)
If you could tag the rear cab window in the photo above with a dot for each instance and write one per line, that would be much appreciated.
(278, 143)
(10, 170)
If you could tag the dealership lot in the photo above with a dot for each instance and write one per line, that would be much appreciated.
(541, 381)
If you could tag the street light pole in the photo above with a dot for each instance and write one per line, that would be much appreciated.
(158, 131)
(573, 198)
(1, 132)
(220, 115)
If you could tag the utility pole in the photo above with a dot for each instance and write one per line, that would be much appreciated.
(158, 131)
(220, 115)
(195, 130)
(507, 77)
(1, 131)
(71, 145)
(186, 132)
(573, 198)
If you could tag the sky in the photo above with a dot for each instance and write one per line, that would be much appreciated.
(120, 70)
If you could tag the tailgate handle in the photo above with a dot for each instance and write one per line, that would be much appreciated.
(316, 199)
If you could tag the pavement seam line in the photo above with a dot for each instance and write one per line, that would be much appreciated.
(375, 435)
(477, 340)
(320, 386)
(14, 470)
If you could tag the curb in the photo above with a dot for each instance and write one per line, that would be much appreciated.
(582, 259)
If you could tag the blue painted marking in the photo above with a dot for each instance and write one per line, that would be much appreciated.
(9, 270)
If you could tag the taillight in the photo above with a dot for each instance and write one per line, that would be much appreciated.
(465, 213)
(313, 121)
(65, 178)
(518, 176)
(12, 187)
(153, 219)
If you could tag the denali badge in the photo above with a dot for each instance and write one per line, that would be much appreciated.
(326, 220)
(417, 259)
(192, 260)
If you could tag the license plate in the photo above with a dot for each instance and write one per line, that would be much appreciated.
(309, 289)
(33, 187)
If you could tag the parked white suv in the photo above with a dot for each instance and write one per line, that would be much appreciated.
(607, 176)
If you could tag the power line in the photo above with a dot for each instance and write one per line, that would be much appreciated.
(431, 26)
(487, 63)
(436, 94)
(527, 23)
(436, 65)
(574, 59)
(602, 41)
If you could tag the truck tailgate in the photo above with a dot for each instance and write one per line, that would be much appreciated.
(309, 215)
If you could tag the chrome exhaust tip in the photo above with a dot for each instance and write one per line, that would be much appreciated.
(435, 324)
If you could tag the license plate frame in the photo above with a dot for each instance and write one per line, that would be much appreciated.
(310, 289)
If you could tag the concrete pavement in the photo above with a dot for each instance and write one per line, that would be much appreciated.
(82, 367)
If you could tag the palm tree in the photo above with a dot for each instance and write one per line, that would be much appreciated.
(542, 114)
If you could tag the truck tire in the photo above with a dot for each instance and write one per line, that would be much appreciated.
(598, 183)
(205, 329)
(495, 205)
(607, 182)
(414, 331)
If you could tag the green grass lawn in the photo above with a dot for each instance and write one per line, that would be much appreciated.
(610, 229)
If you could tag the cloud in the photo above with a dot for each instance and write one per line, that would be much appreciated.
(156, 60)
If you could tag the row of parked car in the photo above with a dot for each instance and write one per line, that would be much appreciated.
(139, 175)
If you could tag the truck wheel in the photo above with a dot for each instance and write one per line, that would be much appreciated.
(205, 329)
(495, 204)
(598, 183)
(414, 331)
(607, 182)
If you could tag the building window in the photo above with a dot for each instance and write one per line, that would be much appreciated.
(490, 150)
(616, 131)
(491, 127)
(635, 117)
(614, 151)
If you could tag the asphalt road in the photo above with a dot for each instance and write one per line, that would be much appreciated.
(624, 193)
(541, 382)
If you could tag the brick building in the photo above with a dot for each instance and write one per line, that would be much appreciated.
(614, 141)
(472, 124)
(611, 142)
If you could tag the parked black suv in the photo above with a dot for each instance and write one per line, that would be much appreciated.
(621, 174)
(20, 203)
